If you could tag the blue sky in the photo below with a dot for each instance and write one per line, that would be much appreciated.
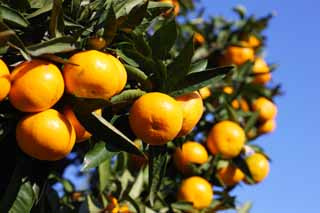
(293, 42)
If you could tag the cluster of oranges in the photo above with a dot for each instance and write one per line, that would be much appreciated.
(34, 87)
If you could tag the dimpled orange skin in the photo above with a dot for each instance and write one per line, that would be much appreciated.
(98, 75)
(226, 138)
(238, 55)
(242, 104)
(196, 190)
(192, 106)
(230, 175)
(4, 80)
(260, 66)
(156, 118)
(259, 166)
(81, 133)
(267, 126)
(45, 135)
(191, 152)
(35, 86)
(267, 109)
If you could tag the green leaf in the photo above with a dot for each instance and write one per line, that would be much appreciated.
(198, 66)
(137, 187)
(127, 96)
(240, 10)
(156, 8)
(196, 81)
(157, 169)
(97, 155)
(179, 68)
(46, 7)
(242, 165)
(103, 130)
(56, 45)
(56, 26)
(251, 121)
(138, 75)
(245, 208)
(12, 16)
(104, 171)
(163, 39)
(182, 205)
(89, 206)
(232, 114)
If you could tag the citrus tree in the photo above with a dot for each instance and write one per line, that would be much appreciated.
(161, 110)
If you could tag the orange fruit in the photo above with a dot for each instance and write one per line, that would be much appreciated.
(196, 190)
(242, 104)
(36, 85)
(228, 90)
(226, 138)
(267, 126)
(266, 108)
(238, 55)
(198, 39)
(96, 75)
(251, 41)
(156, 118)
(176, 7)
(81, 133)
(191, 152)
(262, 71)
(192, 108)
(45, 135)
(97, 43)
(4, 80)
(115, 207)
(205, 92)
(230, 175)
(258, 166)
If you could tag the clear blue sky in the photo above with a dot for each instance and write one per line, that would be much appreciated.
(293, 41)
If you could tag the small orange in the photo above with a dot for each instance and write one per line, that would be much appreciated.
(45, 135)
(97, 43)
(156, 118)
(267, 109)
(36, 85)
(238, 55)
(258, 166)
(196, 190)
(267, 126)
(191, 152)
(4, 80)
(242, 104)
(198, 39)
(230, 175)
(95, 75)
(262, 71)
(226, 138)
(176, 7)
(205, 92)
(81, 133)
(192, 107)
(251, 41)
(228, 90)
(115, 207)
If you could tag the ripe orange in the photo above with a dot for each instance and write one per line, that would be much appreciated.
(4, 80)
(176, 7)
(196, 190)
(258, 166)
(192, 107)
(267, 127)
(205, 92)
(35, 86)
(262, 71)
(191, 152)
(267, 109)
(251, 41)
(115, 207)
(81, 133)
(226, 138)
(97, 43)
(156, 118)
(228, 90)
(230, 175)
(45, 135)
(238, 55)
(96, 75)
(199, 39)
(242, 104)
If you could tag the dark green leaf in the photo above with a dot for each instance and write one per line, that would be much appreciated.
(251, 121)
(56, 45)
(127, 96)
(183, 205)
(198, 66)
(242, 165)
(97, 155)
(109, 23)
(157, 169)
(163, 39)
(232, 114)
(198, 80)
(25, 199)
(56, 27)
(12, 16)
(43, 9)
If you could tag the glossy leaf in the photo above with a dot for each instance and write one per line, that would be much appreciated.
(12, 16)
